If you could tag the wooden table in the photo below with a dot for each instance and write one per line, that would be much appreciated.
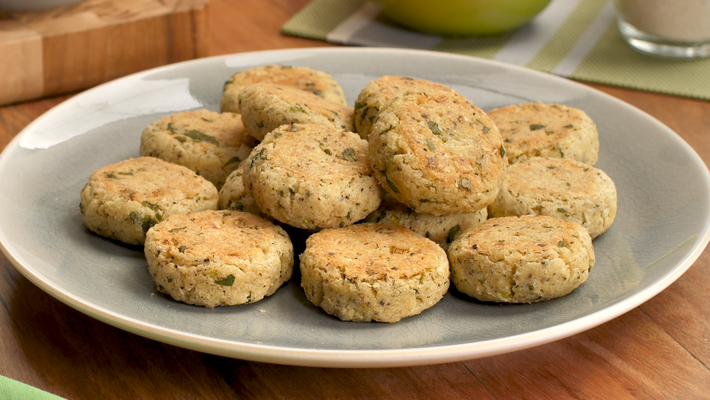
(658, 350)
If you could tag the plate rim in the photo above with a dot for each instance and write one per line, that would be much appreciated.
(354, 358)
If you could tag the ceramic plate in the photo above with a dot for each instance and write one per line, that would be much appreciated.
(660, 229)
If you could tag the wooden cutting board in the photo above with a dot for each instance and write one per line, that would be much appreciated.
(75, 47)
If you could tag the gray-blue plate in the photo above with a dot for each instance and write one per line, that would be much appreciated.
(661, 227)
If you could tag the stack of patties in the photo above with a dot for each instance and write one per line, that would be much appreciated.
(314, 173)
(537, 244)
(412, 189)
(440, 161)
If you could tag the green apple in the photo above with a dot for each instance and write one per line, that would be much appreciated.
(462, 17)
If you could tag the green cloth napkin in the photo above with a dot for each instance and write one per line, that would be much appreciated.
(11, 389)
(577, 39)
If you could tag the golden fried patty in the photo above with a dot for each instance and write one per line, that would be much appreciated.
(437, 153)
(266, 106)
(373, 272)
(561, 188)
(218, 258)
(123, 200)
(304, 78)
(547, 130)
(312, 176)
(521, 259)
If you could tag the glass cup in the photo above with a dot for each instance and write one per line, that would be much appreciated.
(674, 28)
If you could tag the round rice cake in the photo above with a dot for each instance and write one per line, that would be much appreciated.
(538, 129)
(437, 153)
(218, 258)
(123, 200)
(312, 176)
(209, 143)
(234, 195)
(561, 188)
(266, 106)
(440, 229)
(521, 259)
(317, 82)
(373, 272)
(376, 93)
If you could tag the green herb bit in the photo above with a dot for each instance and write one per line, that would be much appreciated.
(171, 127)
(257, 156)
(570, 126)
(486, 129)
(561, 210)
(228, 281)
(232, 161)
(297, 108)
(112, 176)
(434, 127)
(152, 206)
(129, 173)
(387, 130)
(145, 222)
(430, 144)
(206, 119)
(328, 152)
(182, 249)
(535, 127)
(561, 243)
(238, 206)
(358, 106)
(277, 134)
(181, 139)
(177, 229)
(502, 151)
(389, 165)
(227, 82)
(348, 155)
(201, 136)
(452, 233)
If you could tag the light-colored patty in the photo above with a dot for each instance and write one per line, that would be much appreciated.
(376, 93)
(547, 130)
(304, 78)
(218, 258)
(521, 259)
(266, 106)
(373, 272)
(209, 143)
(441, 229)
(123, 200)
(437, 153)
(560, 188)
(235, 196)
(312, 176)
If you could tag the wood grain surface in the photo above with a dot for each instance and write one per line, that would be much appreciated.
(78, 46)
(660, 350)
